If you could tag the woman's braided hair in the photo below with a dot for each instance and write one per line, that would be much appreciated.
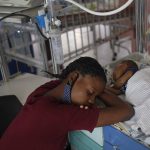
(85, 65)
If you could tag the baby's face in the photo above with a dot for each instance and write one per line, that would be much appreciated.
(119, 70)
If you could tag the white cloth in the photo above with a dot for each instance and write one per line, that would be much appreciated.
(147, 140)
(138, 87)
(138, 94)
(142, 114)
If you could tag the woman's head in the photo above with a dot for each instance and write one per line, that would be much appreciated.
(87, 80)
(85, 66)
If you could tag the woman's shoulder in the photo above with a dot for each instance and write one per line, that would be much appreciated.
(40, 91)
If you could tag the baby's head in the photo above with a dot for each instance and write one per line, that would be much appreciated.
(123, 72)
(123, 67)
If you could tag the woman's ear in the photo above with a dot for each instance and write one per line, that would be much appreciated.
(73, 76)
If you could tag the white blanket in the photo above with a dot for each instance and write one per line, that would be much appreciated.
(138, 94)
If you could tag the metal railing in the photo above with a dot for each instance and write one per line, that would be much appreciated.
(80, 33)
(143, 26)
(85, 31)
(21, 45)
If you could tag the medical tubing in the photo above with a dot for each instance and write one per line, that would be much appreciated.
(102, 13)
(14, 14)
(41, 31)
(80, 6)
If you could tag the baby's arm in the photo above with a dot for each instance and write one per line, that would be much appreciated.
(113, 90)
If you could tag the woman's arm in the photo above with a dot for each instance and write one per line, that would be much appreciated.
(115, 111)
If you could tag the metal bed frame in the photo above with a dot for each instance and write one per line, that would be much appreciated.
(82, 31)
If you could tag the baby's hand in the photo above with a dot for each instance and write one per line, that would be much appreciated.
(123, 79)
(119, 70)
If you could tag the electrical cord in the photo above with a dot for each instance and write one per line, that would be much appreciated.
(29, 17)
(41, 31)
(20, 11)
(14, 14)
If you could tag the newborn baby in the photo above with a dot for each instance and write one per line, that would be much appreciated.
(121, 74)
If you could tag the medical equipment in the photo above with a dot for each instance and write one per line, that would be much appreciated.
(14, 3)
(91, 28)
(50, 27)
(27, 3)
(20, 3)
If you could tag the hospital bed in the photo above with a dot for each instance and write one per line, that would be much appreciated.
(22, 85)
(93, 141)
(132, 132)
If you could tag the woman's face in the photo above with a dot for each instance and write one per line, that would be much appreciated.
(85, 89)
